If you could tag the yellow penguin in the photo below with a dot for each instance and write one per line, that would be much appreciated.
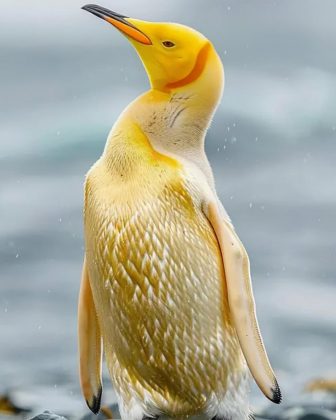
(166, 291)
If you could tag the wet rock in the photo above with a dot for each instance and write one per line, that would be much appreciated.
(48, 415)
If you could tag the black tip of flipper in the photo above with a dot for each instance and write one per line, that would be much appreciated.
(94, 405)
(277, 397)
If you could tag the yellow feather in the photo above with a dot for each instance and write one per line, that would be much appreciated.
(157, 279)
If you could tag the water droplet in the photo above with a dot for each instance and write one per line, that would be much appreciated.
(229, 8)
(60, 219)
(251, 205)
(17, 256)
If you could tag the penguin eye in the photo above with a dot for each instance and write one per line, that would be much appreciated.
(168, 44)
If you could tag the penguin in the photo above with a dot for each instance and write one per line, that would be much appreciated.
(166, 291)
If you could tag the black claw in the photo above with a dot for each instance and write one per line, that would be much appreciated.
(277, 397)
(96, 400)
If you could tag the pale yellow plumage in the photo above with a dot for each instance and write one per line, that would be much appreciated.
(156, 238)
(158, 252)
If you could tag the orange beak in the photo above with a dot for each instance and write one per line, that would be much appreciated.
(120, 22)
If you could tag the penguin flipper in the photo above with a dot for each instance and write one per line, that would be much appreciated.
(241, 302)
(90, 345)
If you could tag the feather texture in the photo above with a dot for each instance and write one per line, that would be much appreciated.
(157, 278)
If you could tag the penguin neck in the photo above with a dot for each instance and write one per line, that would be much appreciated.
(174, 122)
(130, 157)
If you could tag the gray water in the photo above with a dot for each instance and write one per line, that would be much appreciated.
(66, 76)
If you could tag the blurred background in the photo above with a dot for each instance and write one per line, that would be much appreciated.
(66, 76)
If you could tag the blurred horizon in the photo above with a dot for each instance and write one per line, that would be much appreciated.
(65, 78)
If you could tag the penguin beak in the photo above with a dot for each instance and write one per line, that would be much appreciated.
(120, 22)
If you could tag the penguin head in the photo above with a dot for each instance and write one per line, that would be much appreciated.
(173, 55)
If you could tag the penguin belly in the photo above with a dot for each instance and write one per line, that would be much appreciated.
(158, 283)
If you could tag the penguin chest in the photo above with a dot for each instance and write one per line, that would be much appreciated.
(158, 284)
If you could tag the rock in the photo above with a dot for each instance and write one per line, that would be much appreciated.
(48, 415)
